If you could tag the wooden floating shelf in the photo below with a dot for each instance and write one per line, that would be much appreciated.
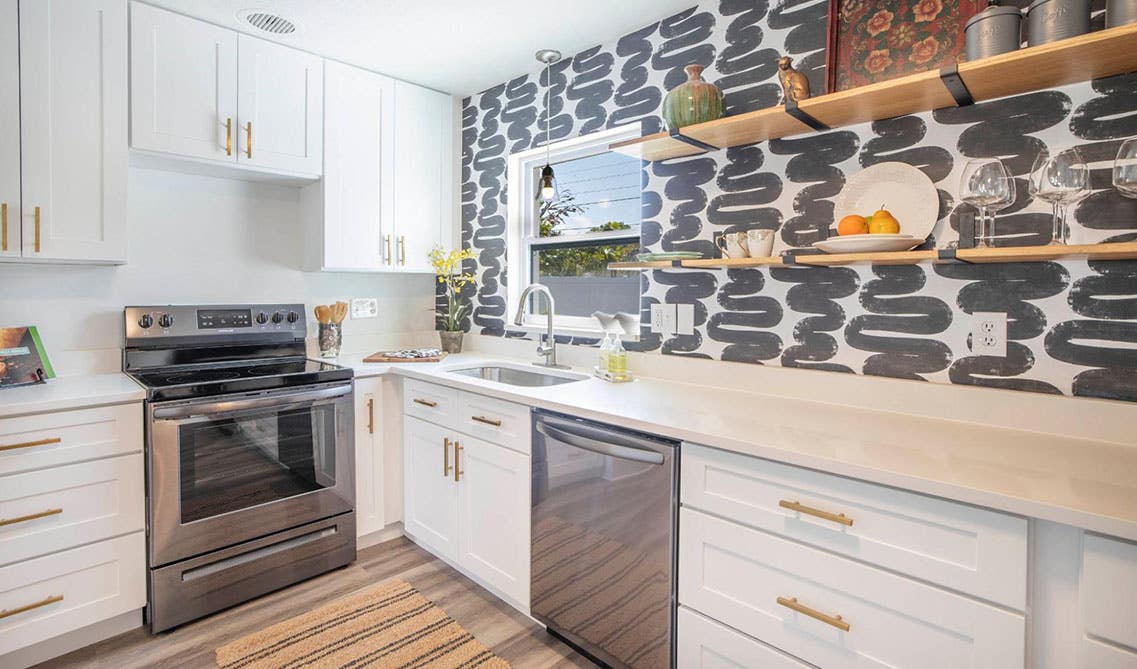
(1110, 251)
(1091, 56)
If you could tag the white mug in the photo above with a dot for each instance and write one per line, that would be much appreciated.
(734, 245)
(760, 242)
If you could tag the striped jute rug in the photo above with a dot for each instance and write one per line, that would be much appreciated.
(391, 625)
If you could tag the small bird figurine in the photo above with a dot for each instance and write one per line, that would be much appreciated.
(795, 85)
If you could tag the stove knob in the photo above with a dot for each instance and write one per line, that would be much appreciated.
(146, 321)
(262, 318)
(277, 317)
(165, 320)
(293, 317)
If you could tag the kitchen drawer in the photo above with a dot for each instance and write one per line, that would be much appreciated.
(706, 644)
(496, 421)
(745, 578)
(66, 437)
(65, 591)
(432, 403)
(965, 548)
(1109, 591)
(50, 510)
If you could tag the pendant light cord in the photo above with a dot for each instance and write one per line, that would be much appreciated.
(548, 103)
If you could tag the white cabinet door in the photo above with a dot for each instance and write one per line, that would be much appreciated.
(183, 76)
(422, 175)
(358, 128)
(368, 456)
(493, 502)
(73, 121)
(9, 129)
(431, 495)
(280, 105)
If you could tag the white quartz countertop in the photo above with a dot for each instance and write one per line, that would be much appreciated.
(1081, 482)
(69, 392)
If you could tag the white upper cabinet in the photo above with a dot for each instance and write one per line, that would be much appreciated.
(9, 129)
(354, 196)
(280, 106)
(183, 76)
(73, 128)
(423, 176)
(206, 93)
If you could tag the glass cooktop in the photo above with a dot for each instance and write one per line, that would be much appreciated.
(188, 382)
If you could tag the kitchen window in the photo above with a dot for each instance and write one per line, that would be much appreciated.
(567, 243)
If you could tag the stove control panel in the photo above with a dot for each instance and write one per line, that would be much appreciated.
(214, 320)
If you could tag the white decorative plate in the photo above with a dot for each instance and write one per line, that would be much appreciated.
(900, 188)
(867, 243)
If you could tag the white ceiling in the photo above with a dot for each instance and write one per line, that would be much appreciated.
(456, 46)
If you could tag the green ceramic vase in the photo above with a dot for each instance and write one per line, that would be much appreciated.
(693, 101)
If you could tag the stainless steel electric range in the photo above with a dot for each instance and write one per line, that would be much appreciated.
(249, 455)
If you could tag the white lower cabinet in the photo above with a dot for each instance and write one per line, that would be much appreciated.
(703, 643)
(369, 460)
(431, 507)
(1108, 595)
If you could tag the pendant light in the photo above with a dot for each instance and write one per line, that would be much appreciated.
(547, 184)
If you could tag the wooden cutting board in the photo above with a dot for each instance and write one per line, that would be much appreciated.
(385, 356)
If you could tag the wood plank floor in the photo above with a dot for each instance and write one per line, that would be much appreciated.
(514, 637)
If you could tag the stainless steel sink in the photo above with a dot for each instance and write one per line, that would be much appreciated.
(517, 377)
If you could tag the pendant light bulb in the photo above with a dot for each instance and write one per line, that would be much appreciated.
(547, 184)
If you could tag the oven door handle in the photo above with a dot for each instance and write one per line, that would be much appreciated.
(283, 401)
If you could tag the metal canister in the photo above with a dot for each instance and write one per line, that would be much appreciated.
(1120, 12)
(1052, 20)
(993, 31)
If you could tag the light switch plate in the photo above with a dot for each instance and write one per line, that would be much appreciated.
(364, 307)
(684, 319)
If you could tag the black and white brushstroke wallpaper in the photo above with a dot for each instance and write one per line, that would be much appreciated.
(1072, 325)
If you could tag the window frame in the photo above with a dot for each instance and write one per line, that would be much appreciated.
(521, 219)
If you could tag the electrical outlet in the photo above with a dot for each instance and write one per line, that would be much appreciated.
(663, 319)
(364, 307)
(989, 333)
(685, 319)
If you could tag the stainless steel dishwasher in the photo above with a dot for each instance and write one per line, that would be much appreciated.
(604, 547)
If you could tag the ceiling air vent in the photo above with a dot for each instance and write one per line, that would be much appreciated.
(267, 22)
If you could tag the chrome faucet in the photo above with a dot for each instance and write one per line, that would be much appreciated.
(549, 347)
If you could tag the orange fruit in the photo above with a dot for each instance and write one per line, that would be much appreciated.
(853, 225)
(883, 222)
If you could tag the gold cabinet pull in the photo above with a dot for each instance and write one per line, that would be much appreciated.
(457, 461)
(371, 415)
(402, 250)
(37, 229)
(3, 226)
(249, 140)
(28, 607)
(425, 403)
(229, 136)
(835, 621)
(30, 516)
(29, 444)
(817, 513)
(445, 457)
(487, 421)
(387, 255)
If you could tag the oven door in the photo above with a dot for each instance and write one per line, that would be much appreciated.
(229, 469)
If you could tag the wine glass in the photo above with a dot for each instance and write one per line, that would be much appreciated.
(1060, 179)
(1125, 169)
(985, 183)
(1006, 199)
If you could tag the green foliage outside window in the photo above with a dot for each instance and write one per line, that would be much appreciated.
(579, 261)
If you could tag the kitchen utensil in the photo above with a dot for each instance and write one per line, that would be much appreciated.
(330, 338)
(760, 242)
(1125, 169)
(984, 184)
(1120, 12)
(993, 31)
(1061, 179)
(1053, 20)
(868, 243)
(901, 188)
(733, 245)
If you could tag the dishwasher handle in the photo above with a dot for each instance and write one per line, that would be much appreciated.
(611, 446)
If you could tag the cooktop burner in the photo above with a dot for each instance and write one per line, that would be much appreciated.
(166, 384)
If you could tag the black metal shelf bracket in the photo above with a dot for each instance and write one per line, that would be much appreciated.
(680, 137)
(950, 255)
(800, 114)
(954, 84)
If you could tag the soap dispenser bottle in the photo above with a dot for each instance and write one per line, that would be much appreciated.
(605, 352)
(618, 359)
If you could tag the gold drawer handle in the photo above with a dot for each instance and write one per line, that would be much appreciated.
(817, 513)
(402, 250)
(371, 415)
(28, 607)
(32, 516)
(249, 140)
(457, 472)
(4, 226)
(387, 255)
(29, 444)
(487, 421)
(835, 621)
(445, 457)
(425, 403)
(37, 229)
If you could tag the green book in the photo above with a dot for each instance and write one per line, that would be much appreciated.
(23, 359)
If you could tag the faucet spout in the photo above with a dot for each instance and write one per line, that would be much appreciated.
(549, 347)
